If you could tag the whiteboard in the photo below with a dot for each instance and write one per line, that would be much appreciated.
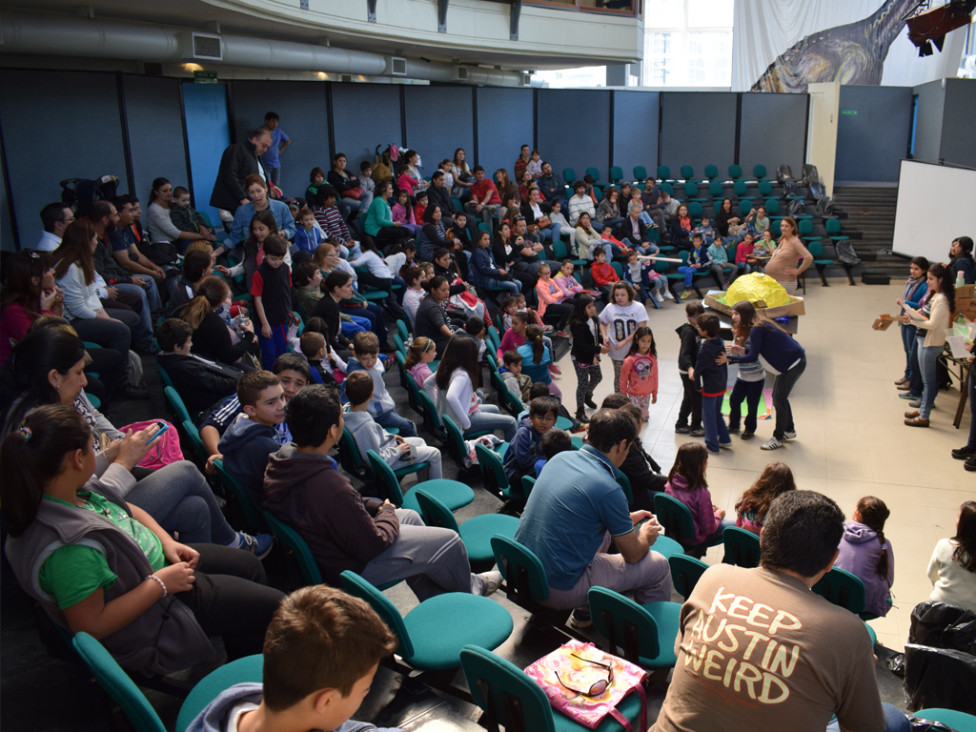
(936, 204)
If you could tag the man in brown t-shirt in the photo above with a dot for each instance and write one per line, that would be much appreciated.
(757, 650)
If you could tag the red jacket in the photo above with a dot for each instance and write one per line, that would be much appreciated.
(603, 274)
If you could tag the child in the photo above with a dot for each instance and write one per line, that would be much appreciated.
(638, 376)
(378, 274)
(186, 218)
(706, 230)
(617, 246)
(554, 305)
(366, 181)
(588, 346)
(635, 274)
(419, 355)
(396, 451)
(775, 479)
(316, 350)
(556, 216)
(618, 322)
(566, 282)
(744, 256)
(711, 378)
(517, 382)
(687, 357)
(401, 257)
(536, 357)
(413, 292)
(718, 260)
(534, 166)
(308, 280)
(366, 347)
(300, 691)
(765, 246)
(866, 553)
(641, 469)
(420, 205)
(697, 262)
(759, 222)
(748, 385)
(402, 212)
(271, 288)
(308, 236)
(198, 381)
(262, 226)
(554, 442)
(509, 308)
(524, 450)
(686, 482)
(604, 276)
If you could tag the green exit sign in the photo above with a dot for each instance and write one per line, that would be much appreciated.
(204, 77)
(849, 112)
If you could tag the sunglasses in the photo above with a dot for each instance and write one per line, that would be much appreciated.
(597, 688)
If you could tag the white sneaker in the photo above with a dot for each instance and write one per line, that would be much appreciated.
(789, 435)
(773, 444)
(491, 581)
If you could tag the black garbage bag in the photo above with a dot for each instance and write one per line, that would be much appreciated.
(940, 677)
(924, 725)
(941, 625)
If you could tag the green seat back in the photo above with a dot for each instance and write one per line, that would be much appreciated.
(959, 721)
(640, 172)
(191, 431)
(675, 517)
(663, 172)
(625, 624)
(164, 376)
(525, 577)
(691, 189)
(741, 547)
(695, 210)
(508, 695)
(494, 337)
(560, 250)
(569, 175)
(774, 228)
(735, 172)
(833, 227)
(252, 514)
(765, 188)
(685, 572)
(403, 329)
(816, 249)
(398, 342)
(431, 417)
(433, 512)
(759, 171)
(711, 172)
(357, 586)
(595, 172)
(804, 227)
(176, 402)
(349, 456)
(666, 186)
(715, 188)
(117, 684)
(772, 206)
(842, 588)
(294, 543)
(246, 669)
(492, 470)
(528, 483)
(730, 251)
(624, 482)
(384, 473)
(616, 173)
(406, 381)
(619, 269)
(739, 188)
(687, 173)
(455, 439)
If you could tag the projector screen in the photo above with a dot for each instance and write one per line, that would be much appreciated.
(936, 204)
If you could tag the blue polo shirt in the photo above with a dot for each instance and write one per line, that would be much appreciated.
(574, 503)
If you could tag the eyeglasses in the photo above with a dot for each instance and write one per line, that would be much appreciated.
(597, 688)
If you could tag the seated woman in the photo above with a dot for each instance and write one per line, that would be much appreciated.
(952, 568)
(49, 369)
(409, 177)
(609, 213)
(257, 192)
(351, 196)
(160, 225)
(213, 337)
(680, 228)
(116, 573)
(433, 235)
(379, 222)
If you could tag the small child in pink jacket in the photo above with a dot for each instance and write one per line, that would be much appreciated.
(638, 376)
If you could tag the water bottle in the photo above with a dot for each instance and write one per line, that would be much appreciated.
(960, 280)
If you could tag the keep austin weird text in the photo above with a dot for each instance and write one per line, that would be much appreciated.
(750, 658)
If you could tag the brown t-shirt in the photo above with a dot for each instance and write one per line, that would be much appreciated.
(757, 650)
(787, 254)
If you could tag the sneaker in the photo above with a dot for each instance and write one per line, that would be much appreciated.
(725, 445)
(915, 403)
(561, 334)
(733, 430)
(747, 435)
(970, 464)
(697, 432)
(773, 444)
(580, 619)
(259, 545)
(668, 294)
(682, 429)
(547, 329)
(789, 435)
(909, 395)
(554, 369)
(491, 581)
(963, 453)
(684, 295)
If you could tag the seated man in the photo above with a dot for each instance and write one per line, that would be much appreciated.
(125, 250)
(321, 652)
(199, 382)
(574, 511)
(345, 530)
(55, 218)
(787, 658)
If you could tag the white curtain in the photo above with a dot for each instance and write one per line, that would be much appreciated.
(763, 29)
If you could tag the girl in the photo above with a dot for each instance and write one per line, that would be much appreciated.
(952, 568)
(912, 296)
(420, 206)
(681, 228)
(782, 266)
(211, 336)
(534, 166)
(421, 352)
(556, 216)
(536, 358)
(140, 592)
(414, 292)
(410, 177)
(506, 188)
(932, 320)
(566, 282)
(775, 479)
(554, 305)
(262, 226)
(744, 257)
(638, 376)
(866, 553)
(686, 482)
(456, 380)
(29, 291)
(618, 322)
(377, 274)
(509, 308)
(748, 386)
(402, 213)
(588, 346)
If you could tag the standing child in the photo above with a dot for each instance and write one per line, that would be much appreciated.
(687, 483)
(588, 346)
(748, 385)
(865, 552)
(687, 358)
(308, 236)
(417, 363)
(638, 377)
(618, 322)
(604, 276)
(712, 378)
(518, 383)
(271, 288)
(775, 479)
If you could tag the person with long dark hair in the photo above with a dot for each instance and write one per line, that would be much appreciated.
(29, 291)
(952, 568)
(867, 554)
(160, 226)
(915, 289)
(379, 222)
(211, 334)
(931, 320)
(775, 479)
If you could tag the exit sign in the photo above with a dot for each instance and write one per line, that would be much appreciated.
(204, 77)
(849, 112)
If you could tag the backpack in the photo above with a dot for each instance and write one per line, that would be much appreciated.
(825, 209)
(81, 193)
(845, 253)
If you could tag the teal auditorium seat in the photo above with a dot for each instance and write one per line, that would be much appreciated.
(643, 634)
(247, 669)
(476, 532)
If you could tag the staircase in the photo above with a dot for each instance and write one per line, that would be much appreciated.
(868, 216)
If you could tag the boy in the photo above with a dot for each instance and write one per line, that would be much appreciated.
(308, 280)
(186, 218)
(517, 382)
(248, 442)
(718, 260)
(474, 327)
(705, 229)
(553, 442)
(396, 451)
(604, 276)
(687, 357)
(199, 382)
(635, 275)
(698, 261)
(524, 449)
(366, 347)
(314, 348)
(308, 236)
(712, 378)
(366, 181)
(271, 288)
(301, 692)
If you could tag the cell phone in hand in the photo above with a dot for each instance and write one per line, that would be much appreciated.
(163, 426)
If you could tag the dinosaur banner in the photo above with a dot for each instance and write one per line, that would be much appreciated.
(783, 45)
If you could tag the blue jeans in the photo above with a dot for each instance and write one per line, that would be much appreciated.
(781, 398)
(513, 287)
(488, 417)
(750, 392)
(895, 720)
(716, 432)
(550, 233)
(392, 419)
(972, 409)
(927, 356)
(908, 333)
(274, 346)
(145, 315)
(689, 273)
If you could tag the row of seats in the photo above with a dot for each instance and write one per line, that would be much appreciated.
(686, 173)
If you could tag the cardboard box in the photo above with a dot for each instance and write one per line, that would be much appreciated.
(794, 307)
(884, 322)
(965, 303)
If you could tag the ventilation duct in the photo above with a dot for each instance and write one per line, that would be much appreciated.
(205, 47)
(398, 66)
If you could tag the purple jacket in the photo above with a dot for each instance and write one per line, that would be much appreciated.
(860, 552)
(700, 503)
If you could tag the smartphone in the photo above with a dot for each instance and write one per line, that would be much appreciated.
(163, 426)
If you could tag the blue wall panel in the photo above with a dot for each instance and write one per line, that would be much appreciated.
(635, 130)
(697, 129)
(6, 225)
(928, 125)
(152, 110)
(574, 130)
(301, 107)
(57, 126)
(504, 125)
(957, 124)
(440, 119)
(208, 134)
(872, 132)
(365, 115)
(772, 130)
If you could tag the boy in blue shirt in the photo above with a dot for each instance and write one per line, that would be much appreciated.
(524, 450)
(711, 378)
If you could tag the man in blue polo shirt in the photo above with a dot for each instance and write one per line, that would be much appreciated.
(576, 509)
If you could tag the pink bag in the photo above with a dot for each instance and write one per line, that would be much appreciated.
(586, 684)
(163, 451)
